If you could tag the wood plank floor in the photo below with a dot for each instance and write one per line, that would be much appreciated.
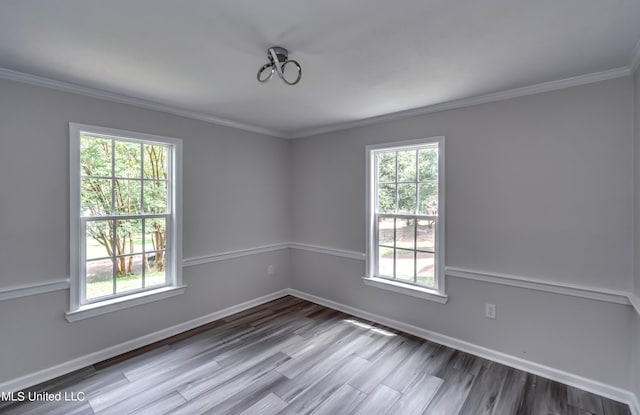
(291, 356)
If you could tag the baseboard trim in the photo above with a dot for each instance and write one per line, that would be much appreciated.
(590, 385)
(634, 405)
(571, 379)
(44, 375)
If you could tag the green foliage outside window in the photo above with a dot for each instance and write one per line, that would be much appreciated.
(399, 190)
(138, 175)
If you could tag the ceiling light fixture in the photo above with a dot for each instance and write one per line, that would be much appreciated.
(278, 60)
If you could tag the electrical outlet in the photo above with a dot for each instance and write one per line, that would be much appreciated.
(490, 310)
(270, 269)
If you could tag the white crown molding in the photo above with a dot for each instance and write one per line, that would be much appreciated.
(125, 99)
(429, 109)
(205, 259)
(329, 251)
(33, 289)
(558, 375)
(467, 102)
(635, 59)
(36, 378)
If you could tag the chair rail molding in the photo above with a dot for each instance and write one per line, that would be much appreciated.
(33, 289)
(575, 290)
(221, 256)
(360, 256)
(594, 293)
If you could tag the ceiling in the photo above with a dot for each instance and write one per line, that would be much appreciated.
(360, 58)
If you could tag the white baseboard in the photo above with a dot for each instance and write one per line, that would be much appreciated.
(634, 405)
(590, 385)
(33, 379)
(571, 379)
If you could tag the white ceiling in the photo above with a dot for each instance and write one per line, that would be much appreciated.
(360, 58)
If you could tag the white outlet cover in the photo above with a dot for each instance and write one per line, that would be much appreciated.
(490, 310)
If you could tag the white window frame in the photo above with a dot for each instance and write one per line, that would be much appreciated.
(436, 293)
(80, 309)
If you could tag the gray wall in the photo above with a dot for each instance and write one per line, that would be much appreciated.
(538, 186)
(636, 130)
(635, 356)
(636, 286)
(556, 177)
(236, 195)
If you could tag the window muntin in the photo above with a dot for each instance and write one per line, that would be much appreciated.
(405, 225)
(123, 214)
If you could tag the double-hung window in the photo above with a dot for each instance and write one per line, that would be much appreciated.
(405, 232)
(125, 219)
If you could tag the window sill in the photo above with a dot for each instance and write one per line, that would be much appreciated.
(107, 306)
(407, 289)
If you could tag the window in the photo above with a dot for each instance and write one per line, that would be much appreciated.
(125, 205)
(405, 249)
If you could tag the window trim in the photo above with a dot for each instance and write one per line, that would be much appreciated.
(174, 286)
(438, 293)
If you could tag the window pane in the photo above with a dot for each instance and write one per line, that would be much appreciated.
(155, 269)
(155, 196)
(129, 269)
(405, 265)
(387, 198)
(127, 200)
(385, 231)
(426, 267)
(156, 233)
(428, 164)
(129, 237)
(405, 233)
(99, 278)
(385, 261)
(95, 197)
(99, 242)
(428, 198)
(406, 198)
(95, 156)
(155, 162)
(426, 235)
(407, 166)
(127, 161)
(386, 167)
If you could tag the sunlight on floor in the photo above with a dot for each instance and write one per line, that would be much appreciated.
(372, 328)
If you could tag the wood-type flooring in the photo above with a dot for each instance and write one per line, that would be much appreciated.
(291, 356)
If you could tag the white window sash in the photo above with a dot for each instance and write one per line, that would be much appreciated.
(372, 230)
(173, 216)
